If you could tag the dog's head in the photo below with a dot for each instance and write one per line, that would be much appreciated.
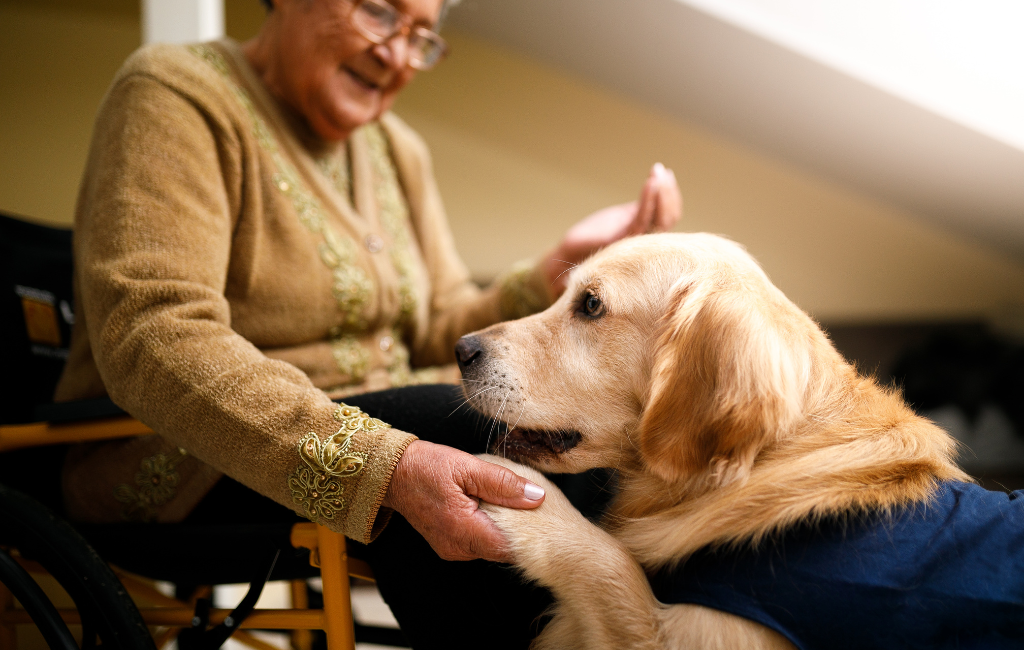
(673, 351)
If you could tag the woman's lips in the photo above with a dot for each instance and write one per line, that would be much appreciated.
(361, 80)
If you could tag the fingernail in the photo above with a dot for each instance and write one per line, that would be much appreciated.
(533, 492)
(659, 170)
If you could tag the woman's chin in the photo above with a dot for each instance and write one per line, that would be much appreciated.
(339, 124)
(336, 120)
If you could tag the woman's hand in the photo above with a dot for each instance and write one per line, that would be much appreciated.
(658, 209)
(438, 489)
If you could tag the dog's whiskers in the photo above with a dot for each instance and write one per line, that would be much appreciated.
(466, 400)
(494, 420)
(569, 268)
(513, 428)
(502, 446)
(481, 391)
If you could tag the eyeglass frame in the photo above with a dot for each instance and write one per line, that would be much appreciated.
(405, 27)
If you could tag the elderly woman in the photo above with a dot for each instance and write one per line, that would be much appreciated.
(255, 234)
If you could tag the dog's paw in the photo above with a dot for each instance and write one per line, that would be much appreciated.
(537, 536)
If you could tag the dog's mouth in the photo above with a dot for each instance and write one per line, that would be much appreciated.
(525, 443)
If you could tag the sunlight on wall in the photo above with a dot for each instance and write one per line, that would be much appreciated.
(963, 60)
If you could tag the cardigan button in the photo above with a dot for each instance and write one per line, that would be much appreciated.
(374, 243)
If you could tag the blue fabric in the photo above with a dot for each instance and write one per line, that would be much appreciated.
(946, 574)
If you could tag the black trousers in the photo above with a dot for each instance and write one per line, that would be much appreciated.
(438, 604)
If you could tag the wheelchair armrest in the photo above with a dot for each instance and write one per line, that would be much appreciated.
(77, 410)
(71, 422)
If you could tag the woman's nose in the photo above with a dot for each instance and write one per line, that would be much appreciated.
(394, 52)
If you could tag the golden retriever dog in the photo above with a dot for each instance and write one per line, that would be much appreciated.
(725, 409)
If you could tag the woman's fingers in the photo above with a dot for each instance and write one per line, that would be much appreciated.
(438, 490)
(500, 486)
(647, 206)
(660, 205)
(494, 484)
(670, 202)
(487, 542)
(658, 209)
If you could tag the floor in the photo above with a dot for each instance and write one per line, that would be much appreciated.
(367, 607)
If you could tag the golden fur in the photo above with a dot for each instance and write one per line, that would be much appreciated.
(727, 412)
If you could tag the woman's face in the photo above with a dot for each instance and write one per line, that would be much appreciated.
(329, 72)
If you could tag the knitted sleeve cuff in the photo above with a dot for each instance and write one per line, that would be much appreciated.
(341, 480)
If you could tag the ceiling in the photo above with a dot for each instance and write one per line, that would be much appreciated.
(710, 71)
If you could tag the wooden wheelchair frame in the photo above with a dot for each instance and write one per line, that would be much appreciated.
(327, 551)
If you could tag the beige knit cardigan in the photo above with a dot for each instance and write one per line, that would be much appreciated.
(229, 268)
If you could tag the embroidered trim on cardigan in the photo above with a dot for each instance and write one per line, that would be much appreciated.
(316, 485)
(394, 217)
(156, 483)
(336, 169)
(351, 357)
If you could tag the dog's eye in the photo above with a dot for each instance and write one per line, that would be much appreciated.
(592, 306)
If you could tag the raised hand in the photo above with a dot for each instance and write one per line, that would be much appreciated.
(658, 209)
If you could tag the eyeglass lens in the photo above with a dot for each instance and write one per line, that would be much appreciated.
(380, 21)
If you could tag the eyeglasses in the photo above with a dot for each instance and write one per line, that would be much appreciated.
(379, 21)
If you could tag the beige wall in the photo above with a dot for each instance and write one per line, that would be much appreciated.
(57, 58)
(56, 64)
(522, 151)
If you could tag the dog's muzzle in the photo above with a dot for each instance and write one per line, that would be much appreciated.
(512, 442)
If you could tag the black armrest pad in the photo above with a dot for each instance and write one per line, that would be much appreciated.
(82, 409)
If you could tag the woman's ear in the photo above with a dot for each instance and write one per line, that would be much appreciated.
(728, 380)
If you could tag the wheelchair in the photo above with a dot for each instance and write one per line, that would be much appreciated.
(108, 571)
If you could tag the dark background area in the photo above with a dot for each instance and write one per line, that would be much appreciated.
(963, 374)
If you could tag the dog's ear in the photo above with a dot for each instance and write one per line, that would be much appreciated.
(728, 379)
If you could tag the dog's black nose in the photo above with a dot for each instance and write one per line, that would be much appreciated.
(468, 350)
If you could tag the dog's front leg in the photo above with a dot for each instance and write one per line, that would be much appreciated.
(603, 598)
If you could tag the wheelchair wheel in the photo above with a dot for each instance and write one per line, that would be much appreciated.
(104, 605)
